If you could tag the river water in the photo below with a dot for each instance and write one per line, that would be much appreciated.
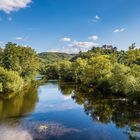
(55, 111)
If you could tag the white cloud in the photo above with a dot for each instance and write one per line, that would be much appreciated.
(65, 39)
(71, 50)
(13, 5)
(119, 30)
(84, 44)
(10, 18)
(97, 17)
(77, 46)
(94, 37)
(19, 38)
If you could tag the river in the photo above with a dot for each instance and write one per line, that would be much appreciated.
(55, 111)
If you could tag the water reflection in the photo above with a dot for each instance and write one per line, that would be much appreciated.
(66, 88)
(108, 110)
(20, 105)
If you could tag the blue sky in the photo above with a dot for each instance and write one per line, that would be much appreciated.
(70, 25)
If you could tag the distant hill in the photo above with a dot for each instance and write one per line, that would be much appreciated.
(50, 57)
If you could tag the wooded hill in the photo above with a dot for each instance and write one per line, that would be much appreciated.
(50, 57)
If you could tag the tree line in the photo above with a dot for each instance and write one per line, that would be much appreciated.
(103, 69)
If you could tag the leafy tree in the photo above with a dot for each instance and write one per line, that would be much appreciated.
(97, 70)
(65, 70)
(21, 59)
(17, 65)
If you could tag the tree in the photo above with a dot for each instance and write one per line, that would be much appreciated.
(79, 67)
(97, 70)
(132, 56)
(21, 59)
(52, 71)
(65, 70)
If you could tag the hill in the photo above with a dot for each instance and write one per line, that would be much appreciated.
(50, 57)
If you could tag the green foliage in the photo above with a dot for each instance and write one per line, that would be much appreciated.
(97, 70)
(62, 70)
(123, 81)
(133, 56)
(65, 70)
(51, 71)
(18, 65)
(1, 87)
(78, 67)
(51, 57)
(10, 81)
(21, 59)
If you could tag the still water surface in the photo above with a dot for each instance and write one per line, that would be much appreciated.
(55, 112)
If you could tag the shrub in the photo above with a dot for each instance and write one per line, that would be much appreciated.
(10, 81)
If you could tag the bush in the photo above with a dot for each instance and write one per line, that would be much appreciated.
(10, 81)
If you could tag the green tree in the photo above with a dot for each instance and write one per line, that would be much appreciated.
(65, 70)
(21, 59)
(97, 70)
(52, 71)
(79, 65)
